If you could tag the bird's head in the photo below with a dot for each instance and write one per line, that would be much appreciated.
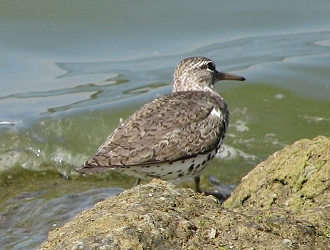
(199, 74)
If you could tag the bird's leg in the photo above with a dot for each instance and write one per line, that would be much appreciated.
(217, 195)
(137, 182)
(197, 180)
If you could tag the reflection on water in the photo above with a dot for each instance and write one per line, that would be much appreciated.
(43, 215)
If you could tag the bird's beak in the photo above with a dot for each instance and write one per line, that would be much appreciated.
(227, 76)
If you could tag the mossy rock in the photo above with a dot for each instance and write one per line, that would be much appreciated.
(282, 204)
(295, 178)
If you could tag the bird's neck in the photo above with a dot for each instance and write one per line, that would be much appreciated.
(179, 87)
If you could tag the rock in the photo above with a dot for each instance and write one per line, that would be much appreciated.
(282, 204)
(295, 178)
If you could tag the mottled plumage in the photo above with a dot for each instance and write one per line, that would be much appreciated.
(172, 136)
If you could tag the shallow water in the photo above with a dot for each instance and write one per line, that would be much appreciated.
(71, 70)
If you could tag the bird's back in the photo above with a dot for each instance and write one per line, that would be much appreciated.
(177, 126)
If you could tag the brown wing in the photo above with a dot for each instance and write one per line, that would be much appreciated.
(176, 126)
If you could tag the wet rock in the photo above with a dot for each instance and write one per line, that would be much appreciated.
(282, 204)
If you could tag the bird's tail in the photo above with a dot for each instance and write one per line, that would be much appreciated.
(90, 168)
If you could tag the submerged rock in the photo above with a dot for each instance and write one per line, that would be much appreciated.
(283, 203)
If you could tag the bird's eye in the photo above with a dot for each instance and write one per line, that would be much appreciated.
(210, 66)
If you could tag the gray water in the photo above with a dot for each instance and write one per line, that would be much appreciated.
(71, 70)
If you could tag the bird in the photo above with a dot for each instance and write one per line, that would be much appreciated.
(172, 137)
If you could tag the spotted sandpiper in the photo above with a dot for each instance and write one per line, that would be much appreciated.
(173, 136)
